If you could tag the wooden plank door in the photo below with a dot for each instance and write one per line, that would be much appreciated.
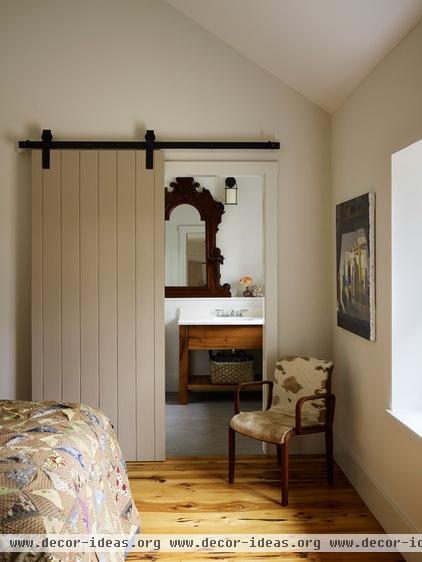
(98, 289)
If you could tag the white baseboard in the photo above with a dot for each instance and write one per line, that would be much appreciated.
(392, 519)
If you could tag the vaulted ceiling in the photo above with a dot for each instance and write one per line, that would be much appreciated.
(321, 48)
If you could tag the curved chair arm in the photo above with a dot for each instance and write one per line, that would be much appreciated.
(258, 384)
(330, 400)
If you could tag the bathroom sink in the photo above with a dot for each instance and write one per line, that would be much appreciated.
(219, 320)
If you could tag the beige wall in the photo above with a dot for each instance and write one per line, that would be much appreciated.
(382, 116)
(107, 69)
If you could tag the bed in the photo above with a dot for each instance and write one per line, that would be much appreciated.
(61, 471)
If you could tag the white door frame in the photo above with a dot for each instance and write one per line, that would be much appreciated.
(177, 165)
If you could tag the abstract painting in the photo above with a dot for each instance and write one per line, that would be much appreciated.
(355, 244)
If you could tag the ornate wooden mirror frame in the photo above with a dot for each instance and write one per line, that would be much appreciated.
(185, 191)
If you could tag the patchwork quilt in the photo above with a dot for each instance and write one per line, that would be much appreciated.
(61, 471)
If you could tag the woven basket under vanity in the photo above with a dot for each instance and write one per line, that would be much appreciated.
(231, 368)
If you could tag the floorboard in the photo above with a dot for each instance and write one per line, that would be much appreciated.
(191, 495)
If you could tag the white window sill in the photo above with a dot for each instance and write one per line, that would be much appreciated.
(412, 419)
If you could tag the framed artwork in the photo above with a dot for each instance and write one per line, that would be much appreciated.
(355, 244)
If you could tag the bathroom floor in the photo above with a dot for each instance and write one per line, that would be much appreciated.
(200, 428)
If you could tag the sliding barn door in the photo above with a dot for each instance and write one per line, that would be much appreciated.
(98, 289)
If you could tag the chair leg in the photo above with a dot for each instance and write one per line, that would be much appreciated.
(232, 452)
(279, 455)
(329, 454)
(284, 455)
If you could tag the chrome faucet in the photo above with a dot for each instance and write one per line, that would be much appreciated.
(221, 313)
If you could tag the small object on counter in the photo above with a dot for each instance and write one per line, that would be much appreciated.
(257, 290)
(245, 284)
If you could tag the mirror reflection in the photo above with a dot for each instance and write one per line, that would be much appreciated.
(185, 246)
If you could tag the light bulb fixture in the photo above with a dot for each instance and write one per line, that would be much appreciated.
(231, 191)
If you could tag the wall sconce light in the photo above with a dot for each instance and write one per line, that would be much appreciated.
(231, 191)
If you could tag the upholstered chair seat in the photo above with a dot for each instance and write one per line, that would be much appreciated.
(299, 401)
(269, 425)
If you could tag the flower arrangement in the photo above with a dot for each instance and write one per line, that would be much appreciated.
(245, 283)
(248, 289)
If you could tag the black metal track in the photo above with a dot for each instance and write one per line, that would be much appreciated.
(149, 145)
(141, 145)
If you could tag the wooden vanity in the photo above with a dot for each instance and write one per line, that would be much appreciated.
(225, 336)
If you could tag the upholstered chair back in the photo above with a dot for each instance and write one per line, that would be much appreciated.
(296, 377)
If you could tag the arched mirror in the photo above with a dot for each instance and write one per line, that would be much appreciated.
(192, 259)
(185, 248)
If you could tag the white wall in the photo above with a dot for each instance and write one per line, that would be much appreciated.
(107, 69)
(406, 269)
(382, 457)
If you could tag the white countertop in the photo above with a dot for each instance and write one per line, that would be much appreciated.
(207, 312)
(219, 321)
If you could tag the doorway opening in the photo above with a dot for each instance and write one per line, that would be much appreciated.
(197, 416)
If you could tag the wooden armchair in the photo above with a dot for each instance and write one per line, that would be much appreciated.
(299, 402)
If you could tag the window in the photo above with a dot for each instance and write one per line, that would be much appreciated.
(406, 213)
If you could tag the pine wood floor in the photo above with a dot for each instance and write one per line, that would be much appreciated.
(191, 495)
